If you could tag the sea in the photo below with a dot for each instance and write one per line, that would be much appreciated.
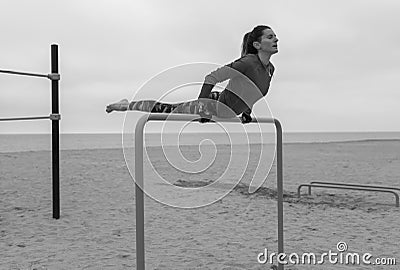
(78, 141)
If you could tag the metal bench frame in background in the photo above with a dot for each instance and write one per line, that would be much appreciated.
(346, 186)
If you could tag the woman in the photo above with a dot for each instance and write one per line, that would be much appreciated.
(249, 80)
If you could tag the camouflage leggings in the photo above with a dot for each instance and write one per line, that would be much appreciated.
(191, 107)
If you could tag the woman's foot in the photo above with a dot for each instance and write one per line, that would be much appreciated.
(121, 106)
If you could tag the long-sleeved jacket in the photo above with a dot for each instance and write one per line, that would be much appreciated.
(249, 81)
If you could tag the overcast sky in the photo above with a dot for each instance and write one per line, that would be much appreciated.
(337, 68)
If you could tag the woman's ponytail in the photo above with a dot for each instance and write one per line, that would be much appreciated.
(244, 44)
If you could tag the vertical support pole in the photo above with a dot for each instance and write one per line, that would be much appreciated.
(139, 197)
(279, 187)
(55, 133)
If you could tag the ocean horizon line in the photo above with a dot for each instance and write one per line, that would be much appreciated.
(193, 145)
(68, 141)
(196, 132)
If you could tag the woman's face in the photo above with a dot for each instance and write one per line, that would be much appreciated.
(268, 42)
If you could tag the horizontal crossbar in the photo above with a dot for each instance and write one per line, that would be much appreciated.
(52, 76)
(23, 73)
(195, 117)
(353, 185)
(25, 118)
(350, 188)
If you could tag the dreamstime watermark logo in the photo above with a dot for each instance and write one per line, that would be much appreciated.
(340, 257)
(184, 83)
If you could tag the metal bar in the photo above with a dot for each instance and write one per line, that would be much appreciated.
(55, 133)
(23, 73)
(25, 118)
(139, 196)
(279, 185)
(353, 185)
(55, 118)
(350, 188)
(195, 117)
(139, 178)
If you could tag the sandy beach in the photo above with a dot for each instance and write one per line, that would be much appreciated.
(97, 225)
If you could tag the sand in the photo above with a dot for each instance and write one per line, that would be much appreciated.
(97, 225)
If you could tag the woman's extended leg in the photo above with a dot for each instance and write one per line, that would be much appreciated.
(142, 105)
(152, 106)
(192, 107)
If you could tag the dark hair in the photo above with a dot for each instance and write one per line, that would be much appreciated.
(250, 37)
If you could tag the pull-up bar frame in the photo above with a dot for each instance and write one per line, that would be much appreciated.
(55, 117)
(139, 178)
